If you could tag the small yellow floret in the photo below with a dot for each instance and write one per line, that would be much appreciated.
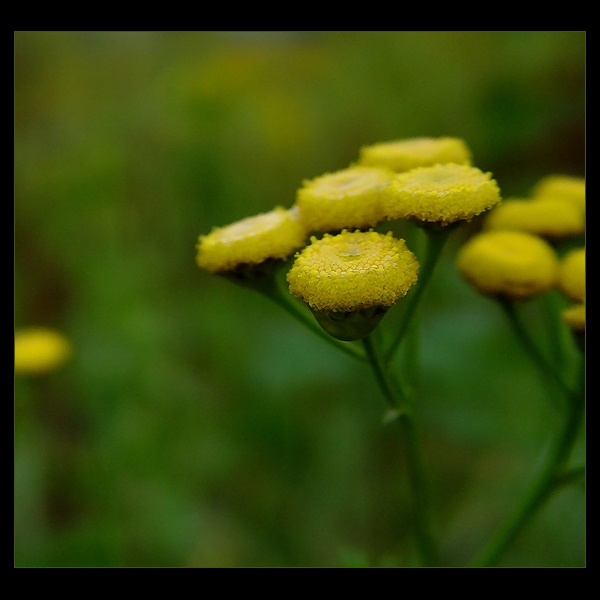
(548, 217)
(571, 274)
(275, 234)
(343, 200)
(562, 186)
(575, 317)
(39, 350)
(404, 155)
(509, 263)
(353, 271)
(440, 194)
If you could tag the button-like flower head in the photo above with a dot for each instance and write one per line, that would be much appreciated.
(562, 186)
(571, 275)
(440, 194)
(575, 317)
(353, 271)
(39, 350)
(404, 155)
(346, 199)
(272, 235)
(548, 216)
(513, 264)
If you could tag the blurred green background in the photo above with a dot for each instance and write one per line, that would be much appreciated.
(198, 425)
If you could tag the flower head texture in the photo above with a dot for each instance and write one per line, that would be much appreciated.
(440, 194)
(571, 275)
(39, 350)
(275, 234)
(343, 200)
(547, 216)
(404, 155)
(562, 186)
(508, 263)
(353, 271)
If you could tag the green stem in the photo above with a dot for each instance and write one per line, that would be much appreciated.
(436, 240)
(550, 479)
(399, 411)
(271, 290)
(547, 371)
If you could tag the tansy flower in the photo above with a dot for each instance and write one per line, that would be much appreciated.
(575, 317)
(275, 234)
(404, 155)
(571, 274)
(440, 194)
(548, 217)
(39, 350)
(562, 186)
(351, 279)
(346, 199)
(508, 263)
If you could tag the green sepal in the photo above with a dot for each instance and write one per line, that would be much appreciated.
(350, 326)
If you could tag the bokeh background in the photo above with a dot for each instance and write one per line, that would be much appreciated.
(198, 425)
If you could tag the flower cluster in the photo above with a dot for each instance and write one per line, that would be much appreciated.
(352, 268)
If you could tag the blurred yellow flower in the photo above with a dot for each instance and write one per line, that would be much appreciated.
(343, 200)
(275, 234)
(440, 194)
(404, 155)
(571, 274)
(548, 217)
(39, 350)
(353, 271)
(575, 317)
(562, 186)
(514, 264)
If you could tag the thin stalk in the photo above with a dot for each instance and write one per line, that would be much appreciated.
(551, 478)
(436, 239)
(272, 291)
(398, 408)
(546, 370)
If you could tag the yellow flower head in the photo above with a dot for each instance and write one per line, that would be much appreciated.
(275, 234)
(571, 275)
(509, 263)
(548, 217)
(404, 155)
(353, 271)
(575, 317)
(346, 199)
(440, 194)
(562, 186)
(39, 350)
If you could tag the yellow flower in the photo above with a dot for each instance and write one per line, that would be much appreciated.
(548, 217)
(39, 350)
(575, 317)
(353, 271)
(514, 264)
(404, 155)
(275, 234)
(571, 274)
(440, 194)
(562, 186)
(343, 200)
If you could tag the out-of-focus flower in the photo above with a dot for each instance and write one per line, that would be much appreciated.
(272, 235)
(548, 216)
(404, 155)
(571, 275)
(343, 200)
(352, 271)
(440, 194)
(575, 317)
(513, 264)
(39, 350)
(562, 186)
